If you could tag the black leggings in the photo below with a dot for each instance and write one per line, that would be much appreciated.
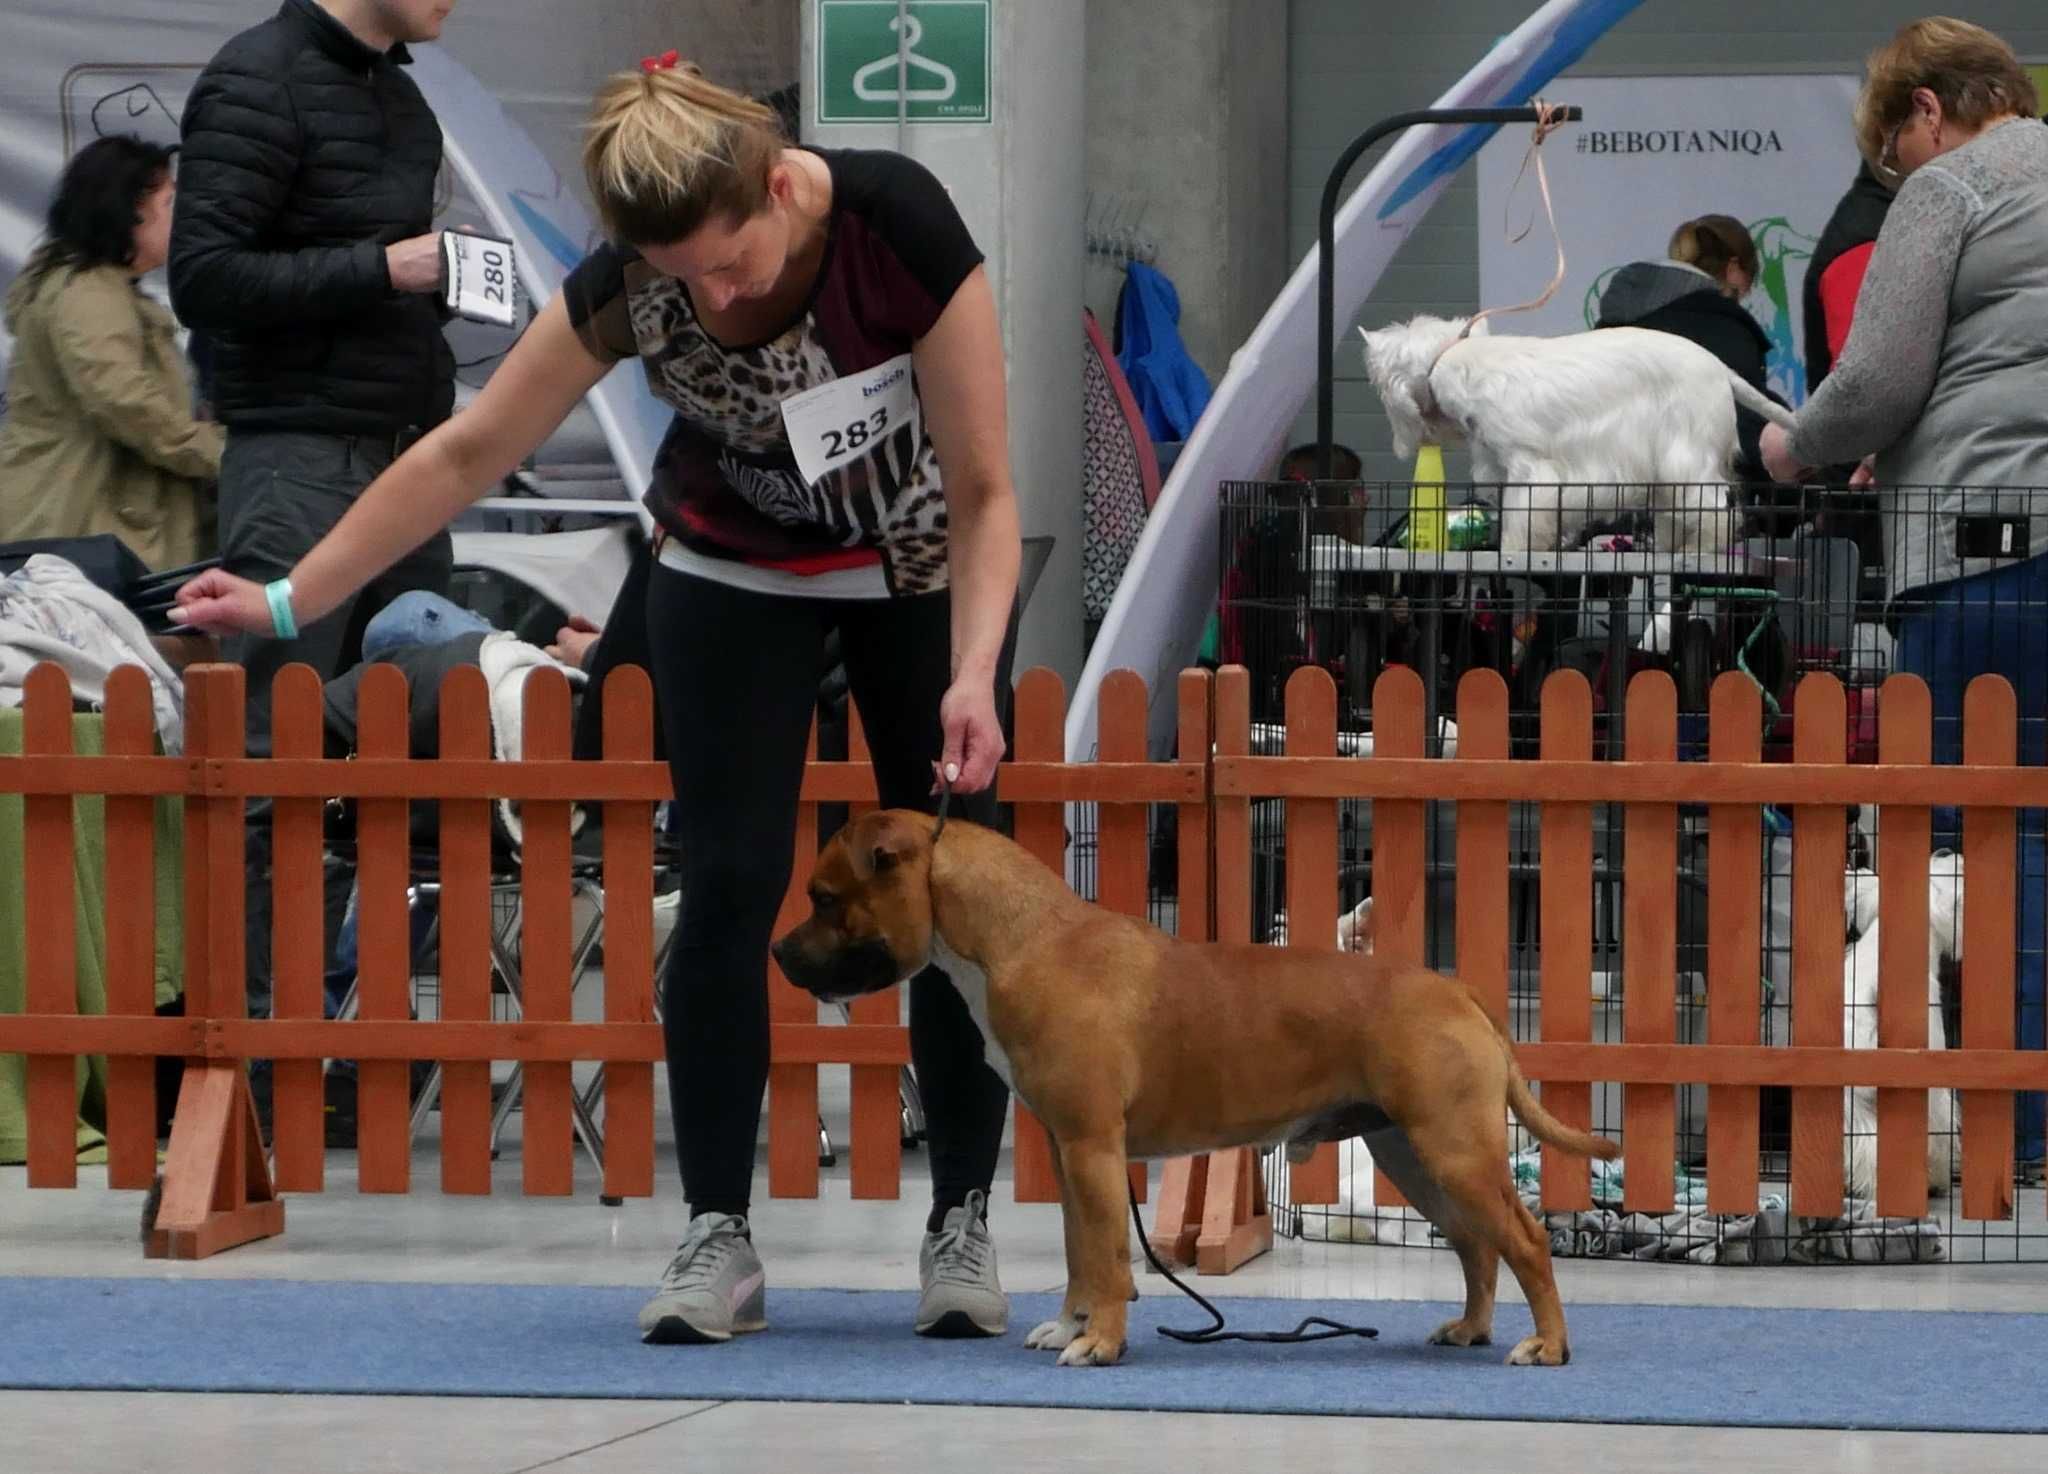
(736, 678)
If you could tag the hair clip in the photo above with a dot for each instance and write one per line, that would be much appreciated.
(662, 63)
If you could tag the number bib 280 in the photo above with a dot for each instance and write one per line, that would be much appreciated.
(479, 277)
(841, 421)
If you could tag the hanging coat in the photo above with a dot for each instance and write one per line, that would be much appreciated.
(1170, 387)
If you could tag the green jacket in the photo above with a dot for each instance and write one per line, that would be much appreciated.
(99, 434)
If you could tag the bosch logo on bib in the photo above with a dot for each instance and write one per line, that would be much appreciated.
(835, 423)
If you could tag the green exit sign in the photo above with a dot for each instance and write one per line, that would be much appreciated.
(943, 79)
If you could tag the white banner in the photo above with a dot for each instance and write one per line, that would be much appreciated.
(1775, 151)
(1154, 623)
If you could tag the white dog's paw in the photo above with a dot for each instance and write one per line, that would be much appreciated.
(1053, 1335)
(1090, 1350)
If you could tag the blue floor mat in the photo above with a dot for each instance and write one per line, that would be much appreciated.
(1924, 1370)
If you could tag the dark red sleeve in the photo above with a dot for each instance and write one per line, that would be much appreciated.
(914, 229)
(1839, 285)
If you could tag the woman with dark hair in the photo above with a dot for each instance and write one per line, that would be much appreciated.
(100, 434)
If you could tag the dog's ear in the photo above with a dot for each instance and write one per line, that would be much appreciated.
(887, 843)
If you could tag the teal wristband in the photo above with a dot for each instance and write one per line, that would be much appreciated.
(279, 593)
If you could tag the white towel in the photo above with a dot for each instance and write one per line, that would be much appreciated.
(506, 663)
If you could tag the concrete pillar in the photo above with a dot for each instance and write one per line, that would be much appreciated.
(1187, 144)
(1018, 182)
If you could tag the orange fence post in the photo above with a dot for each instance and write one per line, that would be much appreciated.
(297, 988)
(465, 928)
(1399, 855)
(547, 1141)
(1123, 854)
(49, 896)
(875, 1127)
(1312, 878)
(217, 1190)
(383, 943)
(1040, 725)
(1566, 930)
(1650, 959)
(1482, 883)
(1990, 739)
(130, 732)
(629, 980)
(1905, 735)
(1820, 734)
(1176, 1219)
(1734, 943)
(793, 1085)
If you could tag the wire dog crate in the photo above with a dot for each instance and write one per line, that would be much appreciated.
(1942, 582)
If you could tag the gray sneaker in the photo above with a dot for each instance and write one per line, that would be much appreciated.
(957, 1269)
(714, 1288)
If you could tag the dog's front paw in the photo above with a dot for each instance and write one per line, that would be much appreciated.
(1535, 1351)
(1459, 1332)
(1053, 1335)
(1091, 1350)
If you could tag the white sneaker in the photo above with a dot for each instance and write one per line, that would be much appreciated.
(714, 1289)
(957, 1269)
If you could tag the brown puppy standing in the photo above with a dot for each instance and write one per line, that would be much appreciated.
(1126, 1043)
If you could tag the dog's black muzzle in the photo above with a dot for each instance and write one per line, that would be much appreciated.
(850, 971)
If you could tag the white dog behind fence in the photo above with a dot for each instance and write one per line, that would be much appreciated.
(1859, 1023)
(1573, 428)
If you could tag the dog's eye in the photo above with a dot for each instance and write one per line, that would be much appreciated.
(824, 902)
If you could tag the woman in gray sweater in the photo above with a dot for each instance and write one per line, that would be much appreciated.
(1942, 393)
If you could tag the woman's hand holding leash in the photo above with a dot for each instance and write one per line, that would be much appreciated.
(973, 738)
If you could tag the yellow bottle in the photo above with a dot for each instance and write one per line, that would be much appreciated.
(1426, 502)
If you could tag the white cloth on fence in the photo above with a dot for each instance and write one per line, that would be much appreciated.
(506, 662)
(51, 611)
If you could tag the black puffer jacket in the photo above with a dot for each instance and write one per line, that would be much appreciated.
(305, 154)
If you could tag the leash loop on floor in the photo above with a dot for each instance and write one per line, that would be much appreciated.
(1209, 1334)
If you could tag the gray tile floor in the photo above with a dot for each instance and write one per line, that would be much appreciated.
(834, 1241)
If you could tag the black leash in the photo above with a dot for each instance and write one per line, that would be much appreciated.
(945, 802)
(1209, 1334)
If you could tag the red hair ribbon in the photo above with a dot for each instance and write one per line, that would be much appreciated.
(662, 63)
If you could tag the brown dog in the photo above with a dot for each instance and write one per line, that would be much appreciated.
(1128, 1043)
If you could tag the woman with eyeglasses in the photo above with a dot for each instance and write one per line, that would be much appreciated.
(1942, 393)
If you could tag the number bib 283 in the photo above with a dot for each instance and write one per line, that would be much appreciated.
(841, 421)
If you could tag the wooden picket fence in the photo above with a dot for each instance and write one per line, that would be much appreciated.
(218, 1189)
(1733, 783)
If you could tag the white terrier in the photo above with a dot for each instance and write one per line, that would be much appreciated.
(1572, 428)
(1859, 1023)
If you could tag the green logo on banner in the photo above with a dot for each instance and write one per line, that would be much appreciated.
(944, 78)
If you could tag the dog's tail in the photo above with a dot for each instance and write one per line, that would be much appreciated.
(1545, 1127)
(1749, 397)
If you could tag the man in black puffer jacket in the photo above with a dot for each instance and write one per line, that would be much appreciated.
(302, 249)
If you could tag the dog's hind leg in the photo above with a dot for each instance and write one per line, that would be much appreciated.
(1394, 1155)
(1479, 1190)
